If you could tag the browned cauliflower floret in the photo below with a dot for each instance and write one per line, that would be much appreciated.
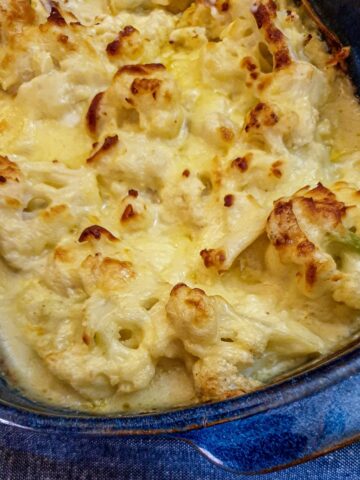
(222, 343)
(313, 231)
(149, 90)
(265, 13)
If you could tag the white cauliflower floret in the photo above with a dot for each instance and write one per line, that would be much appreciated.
(136, 159)
(92, 331)
(186, 199)
(89, 345)
(211, 122)
(40, 205)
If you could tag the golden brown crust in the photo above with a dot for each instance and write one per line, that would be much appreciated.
(8, 170)
(141, 86)
(115, 47)
(213, 258)
(107, 273)
(320, 210)
(265, 13)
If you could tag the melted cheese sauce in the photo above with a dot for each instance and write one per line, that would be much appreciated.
(144, 263)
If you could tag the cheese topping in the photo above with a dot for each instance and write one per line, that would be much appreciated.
(179, 203)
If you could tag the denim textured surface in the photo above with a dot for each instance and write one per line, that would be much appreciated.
(26, 457)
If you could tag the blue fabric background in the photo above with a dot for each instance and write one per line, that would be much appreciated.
(141, 458)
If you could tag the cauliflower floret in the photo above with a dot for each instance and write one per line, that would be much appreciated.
(35, 208)
(217, 337)
(94, 330)
(89, 345)
(312, 231)
(187, 199)
(211, 122)
(146, 89)
(240, 231)
(136, 159)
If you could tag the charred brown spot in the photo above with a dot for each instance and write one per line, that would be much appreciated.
(322, 203)
(248, 63)
(2, 179)
(226, 134)
(128, 213)
(307, 39)
(284, 216)
(242, 163)
(186, 173)
(275, 169)
(63, 38)
(282, 58)
(305, 247)
(223, 6)
(86, 339)
(310, 274)
(274, 35)
(271, 5)
(262, 15)
(229, 200)
(115, 47)
(145, 85)
(96, 232)
(213, 257)
(108, 144)
(93, 112)
(261, 114)
(56, 18)
(133, 193)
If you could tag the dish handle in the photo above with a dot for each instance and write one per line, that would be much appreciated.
(284, 436)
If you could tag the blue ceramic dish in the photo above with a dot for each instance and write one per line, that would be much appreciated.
(298, 418)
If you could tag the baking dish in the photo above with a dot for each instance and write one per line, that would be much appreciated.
(301, 416)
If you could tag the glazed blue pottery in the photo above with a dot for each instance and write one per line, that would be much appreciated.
(298, 418)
